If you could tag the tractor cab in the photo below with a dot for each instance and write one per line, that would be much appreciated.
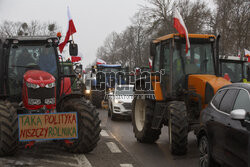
(183, 71)
(26, 58)
(233, 68)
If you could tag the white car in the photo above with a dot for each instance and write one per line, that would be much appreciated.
(120, 101)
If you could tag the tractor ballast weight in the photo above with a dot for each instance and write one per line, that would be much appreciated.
(181, 85)
(32, 83)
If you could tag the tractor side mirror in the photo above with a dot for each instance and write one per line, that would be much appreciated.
(73, 49)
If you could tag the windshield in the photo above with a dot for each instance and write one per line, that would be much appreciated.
(234, 70)
(124, 90)
(25, 57)
(199, 59)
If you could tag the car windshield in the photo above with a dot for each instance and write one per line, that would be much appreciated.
(124, 90)
(234, 71)
(26, 57)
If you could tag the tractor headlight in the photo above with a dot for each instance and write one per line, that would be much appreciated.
(34, 101)
(31, 85)
(118, 101)
(87, 91)
(50, 85)
(50, 101)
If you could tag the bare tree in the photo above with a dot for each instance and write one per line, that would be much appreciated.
(9, 28)
(231, 21)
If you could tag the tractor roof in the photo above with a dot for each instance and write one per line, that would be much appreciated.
(109, 65)
(31, 38)
(169, 36)
(233, 58)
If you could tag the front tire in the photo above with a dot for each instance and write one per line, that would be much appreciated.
(88, 125)
(205, 159)
(8, 129)
(178, 127)
(96, 98)
(142, 117)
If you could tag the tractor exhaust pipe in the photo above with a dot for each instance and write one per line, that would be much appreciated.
(217, 56)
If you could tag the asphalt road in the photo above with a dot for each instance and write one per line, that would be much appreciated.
(150, 155)
(117, 148)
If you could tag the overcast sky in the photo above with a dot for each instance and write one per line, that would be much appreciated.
(94, 19)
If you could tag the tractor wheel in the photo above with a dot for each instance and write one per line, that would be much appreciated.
(178, 127)
(88, 125)
(96, 98)
(8, 129)
(142, 117)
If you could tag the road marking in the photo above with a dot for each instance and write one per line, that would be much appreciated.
(113, 147)
(31, 161)
(82, 160)
(104, 133)
(126, 165)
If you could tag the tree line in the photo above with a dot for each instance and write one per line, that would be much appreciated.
(229, 18)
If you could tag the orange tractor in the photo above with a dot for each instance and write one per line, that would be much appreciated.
(180, 86)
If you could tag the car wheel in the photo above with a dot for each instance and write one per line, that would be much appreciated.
(206, 159)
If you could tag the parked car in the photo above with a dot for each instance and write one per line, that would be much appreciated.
(224, 132)
(120, 101)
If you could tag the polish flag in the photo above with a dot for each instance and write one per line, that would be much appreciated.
(150, 63)
(75, 59)
(238, 54)
(180, 26)
(71, 31)
(247, 54)
(100, 61)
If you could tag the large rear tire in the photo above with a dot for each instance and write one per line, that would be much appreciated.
(88, 125)
(178, 127)
(142, 117)
(96, 98)
(8, 129)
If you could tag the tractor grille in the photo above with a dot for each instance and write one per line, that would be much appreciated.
(127, 106)
(41, 93)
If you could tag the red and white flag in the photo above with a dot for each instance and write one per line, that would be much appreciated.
(100, 61)
(75, 59)
(247, 53)
(71, 31)
(238, 54)
(180, 26)
(150, 63)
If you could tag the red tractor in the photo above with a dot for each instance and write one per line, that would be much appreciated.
(32, 87)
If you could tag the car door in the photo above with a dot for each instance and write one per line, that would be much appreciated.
(219, 119)
(211, 115)
(237, 135)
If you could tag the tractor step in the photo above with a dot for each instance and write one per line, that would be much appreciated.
(160, 111)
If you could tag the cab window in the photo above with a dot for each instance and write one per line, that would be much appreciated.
(157, 58)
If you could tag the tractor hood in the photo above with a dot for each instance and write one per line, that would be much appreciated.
(206, 85)
(38, 77)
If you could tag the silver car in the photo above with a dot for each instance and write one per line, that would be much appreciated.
(120, 101)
